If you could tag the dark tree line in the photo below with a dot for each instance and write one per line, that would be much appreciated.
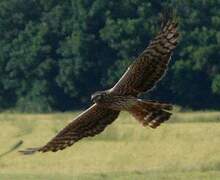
(54, 53)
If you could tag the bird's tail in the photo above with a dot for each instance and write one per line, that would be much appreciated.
(151, 113)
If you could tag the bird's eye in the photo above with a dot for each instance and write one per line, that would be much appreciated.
(99, 97)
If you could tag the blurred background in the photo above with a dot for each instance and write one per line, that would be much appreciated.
(54, 53)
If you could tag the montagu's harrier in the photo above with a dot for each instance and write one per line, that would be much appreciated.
(140, 77)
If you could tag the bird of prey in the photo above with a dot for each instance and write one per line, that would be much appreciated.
(141, 76)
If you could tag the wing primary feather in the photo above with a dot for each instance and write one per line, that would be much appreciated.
(151, 65)
(90, 123)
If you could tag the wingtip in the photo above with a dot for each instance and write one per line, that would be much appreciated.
(29, 151)
(168, 16)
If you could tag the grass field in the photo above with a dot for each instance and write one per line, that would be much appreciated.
(185, 148)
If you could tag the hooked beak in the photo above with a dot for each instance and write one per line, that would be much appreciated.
(92, 98)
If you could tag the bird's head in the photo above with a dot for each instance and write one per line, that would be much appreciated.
(98, 96)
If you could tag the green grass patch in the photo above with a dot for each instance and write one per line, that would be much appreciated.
(185, 148)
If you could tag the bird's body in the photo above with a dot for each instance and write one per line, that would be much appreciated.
(141, 76)
(143, 110)
(115, 102)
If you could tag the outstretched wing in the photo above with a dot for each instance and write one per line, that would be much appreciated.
(151, 65)
(91, 122)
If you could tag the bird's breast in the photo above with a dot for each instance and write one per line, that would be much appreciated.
(120, 103)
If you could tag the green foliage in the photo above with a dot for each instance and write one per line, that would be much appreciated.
(216, 84)
(54, 54)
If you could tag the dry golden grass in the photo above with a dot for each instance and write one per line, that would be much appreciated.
(186, 148)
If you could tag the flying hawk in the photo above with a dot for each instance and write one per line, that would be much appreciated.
(140, 77)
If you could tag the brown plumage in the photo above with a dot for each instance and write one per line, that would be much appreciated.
(150, 113)
(140, 77)
(151, 65)
(91, 122)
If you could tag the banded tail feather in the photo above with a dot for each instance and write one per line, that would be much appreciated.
(151, 113)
